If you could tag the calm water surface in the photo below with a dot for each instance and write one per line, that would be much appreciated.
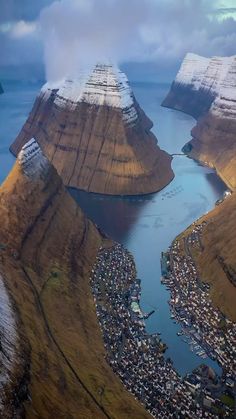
(145, 225)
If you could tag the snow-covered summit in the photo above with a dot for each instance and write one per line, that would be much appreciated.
(206, 74)
(225, 103)
(106, 85)
(192, 70)
(32, 160)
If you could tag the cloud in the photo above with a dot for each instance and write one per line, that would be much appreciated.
(76, 33)
(17, 30)
(16, 10)
(20, 43)
(79, 32)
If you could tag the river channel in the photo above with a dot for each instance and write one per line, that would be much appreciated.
(146, 225)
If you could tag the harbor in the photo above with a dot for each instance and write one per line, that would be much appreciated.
(203, 327)
(137, 357)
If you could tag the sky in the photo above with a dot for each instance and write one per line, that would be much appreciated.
(63, 36)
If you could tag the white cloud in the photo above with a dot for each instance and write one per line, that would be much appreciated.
(76, 32)
(18, 30)
(22, 29)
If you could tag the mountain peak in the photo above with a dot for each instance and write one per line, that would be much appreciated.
(199, 82)
(96, 135)
(32, 160)
(106, 85)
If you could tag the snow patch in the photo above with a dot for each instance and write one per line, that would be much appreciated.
(204, 73)
(192, 70)
(8, 341)
(216, 76)
(225, 104)
(32, 160)
(106, 85)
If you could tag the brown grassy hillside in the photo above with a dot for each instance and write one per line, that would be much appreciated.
(216, 261)
(48, 249)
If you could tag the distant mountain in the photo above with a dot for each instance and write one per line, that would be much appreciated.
(214, 136)
(97, 136)
(51, 349)
(207, 88)
(197, 84)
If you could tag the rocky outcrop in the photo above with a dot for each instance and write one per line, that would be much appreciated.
(197, 84)
(47, 251)
(96, 135)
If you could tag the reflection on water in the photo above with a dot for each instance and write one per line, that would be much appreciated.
(111, 210)
(145, 225)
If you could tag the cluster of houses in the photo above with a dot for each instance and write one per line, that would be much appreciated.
(134, 355)
(208, 330)
(192, 307)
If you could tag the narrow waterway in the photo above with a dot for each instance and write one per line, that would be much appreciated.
(145, 225)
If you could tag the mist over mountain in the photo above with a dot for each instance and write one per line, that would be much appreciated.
(69, 34)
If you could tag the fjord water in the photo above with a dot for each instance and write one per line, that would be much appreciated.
(146, 225)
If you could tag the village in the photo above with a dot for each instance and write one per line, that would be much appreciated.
(204, 327)
(137, 357)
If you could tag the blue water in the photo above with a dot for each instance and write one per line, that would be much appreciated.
(15, 105)
(145, 225)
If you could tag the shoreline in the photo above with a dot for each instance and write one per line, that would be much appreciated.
(134, 355)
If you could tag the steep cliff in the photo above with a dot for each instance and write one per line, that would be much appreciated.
(216, 255)
(214, 144)
(197, 84)
(96, 135)
(206, 89)
(214, 136)
(47, 251)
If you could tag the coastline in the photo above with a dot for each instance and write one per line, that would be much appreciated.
(133, 354)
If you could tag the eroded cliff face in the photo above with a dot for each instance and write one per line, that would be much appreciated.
(48, 248)
(197, 84)
(214, 136)
(206, 89)
(96, 135)
(214, 144)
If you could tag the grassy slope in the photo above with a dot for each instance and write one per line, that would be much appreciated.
(214, 144)
(48, 278)
(218, 239)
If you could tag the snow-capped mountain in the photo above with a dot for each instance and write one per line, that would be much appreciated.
(198, 83)
(206, 89)
(94, 132)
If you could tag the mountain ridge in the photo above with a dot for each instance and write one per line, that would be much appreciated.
(48, 251)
